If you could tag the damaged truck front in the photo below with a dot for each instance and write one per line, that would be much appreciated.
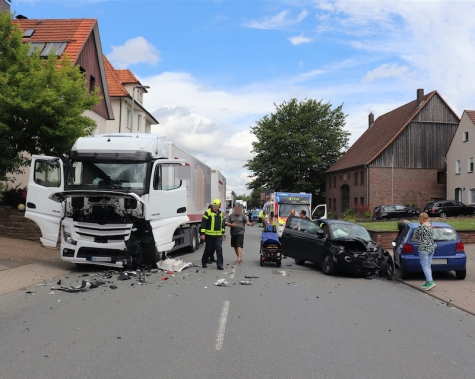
(120, 200)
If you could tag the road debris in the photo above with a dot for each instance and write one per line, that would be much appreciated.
(221, 283)
(280, 272)
(175, 265)
(251, 277)
(245, 282)
(84, 286)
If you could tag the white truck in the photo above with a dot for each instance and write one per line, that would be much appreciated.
(120, 200)
(231, 198)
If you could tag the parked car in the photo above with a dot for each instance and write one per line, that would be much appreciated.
(254, 216)
(446, 208)
(449, 254)
(335, 245)
(387, 212)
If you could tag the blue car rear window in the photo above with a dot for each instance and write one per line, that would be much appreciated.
(441, 234)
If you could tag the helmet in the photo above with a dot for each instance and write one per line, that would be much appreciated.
(216, 202)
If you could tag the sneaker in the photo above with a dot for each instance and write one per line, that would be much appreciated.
(424, 285)
(429, 286)
(220, 268)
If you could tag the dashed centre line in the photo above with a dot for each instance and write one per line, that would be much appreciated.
(222, 326)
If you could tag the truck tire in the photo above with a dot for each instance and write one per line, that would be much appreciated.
(194, 243)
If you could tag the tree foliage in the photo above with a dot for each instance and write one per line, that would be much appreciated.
(296, 145)
(42, 102)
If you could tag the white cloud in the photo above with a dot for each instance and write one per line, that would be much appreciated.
(297, 40)
(387, 70)
(133, 51)
(278, 21)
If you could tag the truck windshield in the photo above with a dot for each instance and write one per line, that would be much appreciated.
(107, 175)
(284, 209)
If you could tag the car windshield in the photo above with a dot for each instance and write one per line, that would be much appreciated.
(107, 175)
(441, 234)
(284, 209)
(349, 231)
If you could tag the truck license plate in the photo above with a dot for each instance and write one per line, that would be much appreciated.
(439, 261)
(100, 259)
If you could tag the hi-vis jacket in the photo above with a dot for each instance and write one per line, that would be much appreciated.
(212, 224)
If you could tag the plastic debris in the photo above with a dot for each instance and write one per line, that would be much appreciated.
(289, 264)
(51, 293)
(164, 278)
(31, 292)
(123, 276)
(44, 284)
(221, 283)
(280, 272)
(175, 265)
(251, 277)
(85, 285)
(245, 282)
(112, 287)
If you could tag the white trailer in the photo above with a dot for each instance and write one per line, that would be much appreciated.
(231, 198)
(218, 187)
(120, 200)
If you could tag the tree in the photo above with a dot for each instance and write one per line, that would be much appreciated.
(42, 102)
(296, 145)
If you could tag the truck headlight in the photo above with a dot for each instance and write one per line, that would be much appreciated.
(67, 236)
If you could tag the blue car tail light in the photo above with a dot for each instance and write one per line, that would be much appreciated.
(408, 248)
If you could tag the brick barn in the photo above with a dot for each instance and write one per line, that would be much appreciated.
(399, 159)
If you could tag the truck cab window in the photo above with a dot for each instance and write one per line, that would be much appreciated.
(47, 175)
(165, 177)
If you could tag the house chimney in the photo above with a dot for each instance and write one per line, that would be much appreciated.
(4, 6)
(370, 120)
(420, 97)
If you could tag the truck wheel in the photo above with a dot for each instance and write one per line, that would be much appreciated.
(193, 241)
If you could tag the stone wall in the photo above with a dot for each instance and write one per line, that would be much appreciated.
(13, 224)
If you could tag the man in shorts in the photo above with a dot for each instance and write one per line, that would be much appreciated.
(237, 221)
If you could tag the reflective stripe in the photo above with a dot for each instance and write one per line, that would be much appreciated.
(212, 224)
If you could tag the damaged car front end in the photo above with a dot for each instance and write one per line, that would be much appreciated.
(335, 246)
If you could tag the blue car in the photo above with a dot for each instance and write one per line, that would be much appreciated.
(449, 254)
(254, 216)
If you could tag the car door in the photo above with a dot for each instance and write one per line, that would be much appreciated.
(399, 241)
(290, 240)
(458, 208)
(309, 243)
(46, 178)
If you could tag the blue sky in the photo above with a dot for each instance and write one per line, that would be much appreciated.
(216, 67)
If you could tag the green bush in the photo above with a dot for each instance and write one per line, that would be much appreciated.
(349, 215)
(331, 215)
(13, 196)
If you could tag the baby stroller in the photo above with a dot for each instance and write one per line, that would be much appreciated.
(270, 246)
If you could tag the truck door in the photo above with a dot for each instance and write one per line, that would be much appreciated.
(46, 178)
(168, 195)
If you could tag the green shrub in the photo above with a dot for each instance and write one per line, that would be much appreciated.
(349, 215)
(331, 215)
(13, 196)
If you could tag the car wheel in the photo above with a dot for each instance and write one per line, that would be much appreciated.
(279, 263)
(328, 265)
(261, 262)
(461, 274)
(386, 267)
(299, 262)
(404, 274)
(443, 214)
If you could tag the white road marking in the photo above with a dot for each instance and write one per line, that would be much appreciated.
(222, 326)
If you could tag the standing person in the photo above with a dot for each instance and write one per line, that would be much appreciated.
(237, 222)
(292, 212)
(262, 215)
(303, 214)
(425, 235)
(212, 232)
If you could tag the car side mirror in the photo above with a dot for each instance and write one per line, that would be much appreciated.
(321, 234)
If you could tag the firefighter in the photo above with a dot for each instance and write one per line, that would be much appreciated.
(262, 215)
(212, 232)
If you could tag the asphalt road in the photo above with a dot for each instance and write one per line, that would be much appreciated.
(301, 325)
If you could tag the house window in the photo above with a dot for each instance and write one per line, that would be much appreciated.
(129, 115)
(334, 181)
(356, 178)
(471, 195)
(458, 167)
(465, 136)
(92, 83)
(470, 164)
(441, 177)
(356, 201)
(329, 182)
(362, 177)
(361, 200)
(139, 122)
(334, 205)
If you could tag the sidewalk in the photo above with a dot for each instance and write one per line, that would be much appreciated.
(25, 263)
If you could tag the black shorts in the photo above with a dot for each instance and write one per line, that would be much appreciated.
(237, 240)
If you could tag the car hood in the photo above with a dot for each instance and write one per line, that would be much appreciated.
(357, 243)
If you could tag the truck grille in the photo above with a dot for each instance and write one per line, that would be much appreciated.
(103, 233)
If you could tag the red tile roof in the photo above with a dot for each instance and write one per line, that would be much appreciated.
(115, 84)
(471, 115)
(377, 138)
(126, 77)
(73, 31)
